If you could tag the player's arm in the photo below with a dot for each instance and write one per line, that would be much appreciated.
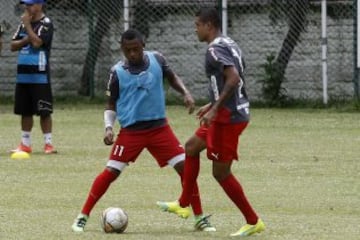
(112, 93)
(176, 83)
(18, 42)
(202, 110)
(34, 39)
(219, 59)
(232, 80)
(16, 45)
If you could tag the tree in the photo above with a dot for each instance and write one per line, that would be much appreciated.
(100, 12)
(295, 12)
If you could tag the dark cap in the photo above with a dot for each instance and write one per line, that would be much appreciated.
(32, 1)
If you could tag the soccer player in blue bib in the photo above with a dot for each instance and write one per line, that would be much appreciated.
(221, 122)
(33, 94)
(137, 101)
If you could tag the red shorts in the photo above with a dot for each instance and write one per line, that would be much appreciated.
(161, 142)
(221, 140)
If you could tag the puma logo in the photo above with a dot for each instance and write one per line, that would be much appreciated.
(215, 155)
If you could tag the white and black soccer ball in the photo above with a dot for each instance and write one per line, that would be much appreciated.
(114, 220)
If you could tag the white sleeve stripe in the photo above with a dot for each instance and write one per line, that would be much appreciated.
(39, 30)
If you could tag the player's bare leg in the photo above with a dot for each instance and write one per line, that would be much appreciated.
(27, 123)
(46, 127)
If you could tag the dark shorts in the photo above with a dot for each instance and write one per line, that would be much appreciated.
(33, 99)
(221, 140)
(161, 142)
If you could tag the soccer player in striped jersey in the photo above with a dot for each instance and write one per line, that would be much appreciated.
(33, 95)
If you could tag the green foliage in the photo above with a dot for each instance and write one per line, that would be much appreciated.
(274, 94)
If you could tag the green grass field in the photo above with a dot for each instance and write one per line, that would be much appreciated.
(300, 169)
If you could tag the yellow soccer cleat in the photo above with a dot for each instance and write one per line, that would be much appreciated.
(249, 229)
(174, 207)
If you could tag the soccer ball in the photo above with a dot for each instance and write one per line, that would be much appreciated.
(114, 220)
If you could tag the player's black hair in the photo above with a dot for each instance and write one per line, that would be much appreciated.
(132, 34)
(211, 15)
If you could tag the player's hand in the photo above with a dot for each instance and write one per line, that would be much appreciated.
(109, 136)
(189, 102)
(207, 118)
(202, 110)
(26, 17)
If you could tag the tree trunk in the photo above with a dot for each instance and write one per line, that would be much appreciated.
(297, 22)
(102, 27)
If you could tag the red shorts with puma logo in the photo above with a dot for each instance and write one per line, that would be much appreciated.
(221, 140)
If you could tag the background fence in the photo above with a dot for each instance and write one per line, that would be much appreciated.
(281, 41)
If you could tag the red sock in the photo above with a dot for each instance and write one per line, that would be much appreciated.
(195, 198)
(235, 192)
(191, 172)
(98, 188)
